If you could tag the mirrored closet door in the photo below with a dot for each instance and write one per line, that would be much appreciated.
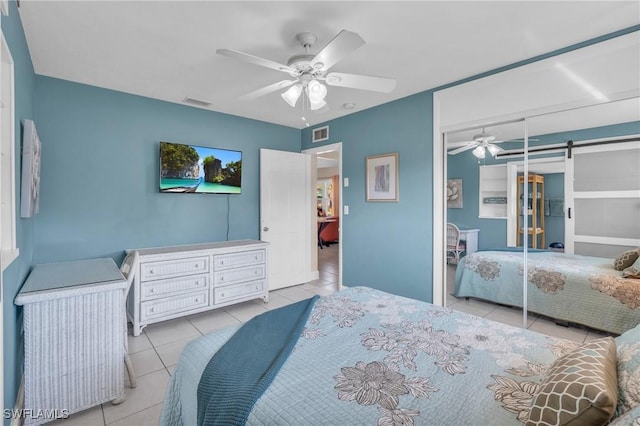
(572, 185)
(482, 212)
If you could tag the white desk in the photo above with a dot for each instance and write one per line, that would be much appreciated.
(74, 319)
(470, 237)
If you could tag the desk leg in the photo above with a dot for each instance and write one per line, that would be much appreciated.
(321, 227)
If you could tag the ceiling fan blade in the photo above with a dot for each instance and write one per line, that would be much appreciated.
(514, 140)
(256, 60)
(339, 47)
(364, 82)
(266, 90)
(458, 144)
(462, 149)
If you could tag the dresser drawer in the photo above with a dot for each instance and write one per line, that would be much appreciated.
(234, 260)
(172, 305)
(162, 288)
(238, 275)
(238, 291)
(173, 268)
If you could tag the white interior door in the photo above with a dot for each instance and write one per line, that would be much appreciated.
(285, 215)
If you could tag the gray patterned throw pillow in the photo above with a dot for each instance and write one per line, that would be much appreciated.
(626, 259)
(579, 388)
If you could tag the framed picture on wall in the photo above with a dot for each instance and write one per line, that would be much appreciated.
(454, 193)
(382, 178)
(30, 191)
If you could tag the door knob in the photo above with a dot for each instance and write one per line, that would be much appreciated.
(265, 229)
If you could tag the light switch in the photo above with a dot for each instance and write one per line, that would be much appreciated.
(346, 209)
(346, 182)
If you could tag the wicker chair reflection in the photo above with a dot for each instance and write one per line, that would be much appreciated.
(454, 246)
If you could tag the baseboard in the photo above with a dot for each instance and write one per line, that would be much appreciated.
(19, 420)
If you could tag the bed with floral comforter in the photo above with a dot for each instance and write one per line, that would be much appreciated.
(579, 289)
(369, 357)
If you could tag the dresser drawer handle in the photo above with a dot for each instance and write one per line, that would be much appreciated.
(151, 271)
(221, 278)
(222, 262)
(256, 257)
(222, 294)
(257, 287)
(196, 265)
(152, 310)
(197, 283)
(256, 272)
(197, 300)
(151, 290)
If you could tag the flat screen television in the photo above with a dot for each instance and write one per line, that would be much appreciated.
(198, 169)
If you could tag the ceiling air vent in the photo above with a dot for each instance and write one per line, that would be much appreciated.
(196, 102)
(320, 134)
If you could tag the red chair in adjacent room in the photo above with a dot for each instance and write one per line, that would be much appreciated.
(330, 233)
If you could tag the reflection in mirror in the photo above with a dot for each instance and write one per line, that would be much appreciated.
(590, 213)
(591, 200)
(484, 270)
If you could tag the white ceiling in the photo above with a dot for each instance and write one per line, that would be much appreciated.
(166, 49)
(597, 85)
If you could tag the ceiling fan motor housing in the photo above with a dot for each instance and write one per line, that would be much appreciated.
(301, 63)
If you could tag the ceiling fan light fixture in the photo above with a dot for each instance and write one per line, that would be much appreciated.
(316, 91)
(316, 105)
(493, 149)
(292, 95)
(479, 152)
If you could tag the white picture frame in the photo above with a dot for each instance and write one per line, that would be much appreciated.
(454, 193)
(31, 147)
(382, 178)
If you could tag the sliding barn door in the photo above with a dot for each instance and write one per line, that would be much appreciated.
(602, 191)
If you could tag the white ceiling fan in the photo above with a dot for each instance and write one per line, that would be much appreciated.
(480, 143)
(309, 71)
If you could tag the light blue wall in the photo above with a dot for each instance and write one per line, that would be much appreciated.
(493, 232)
(466, 166)
(99, 191)
(14, 275)
(388, 245)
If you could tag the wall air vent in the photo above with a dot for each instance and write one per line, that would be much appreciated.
(320, 134)
(196, 102)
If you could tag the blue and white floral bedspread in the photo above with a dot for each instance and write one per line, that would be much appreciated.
(370, 358)
(581, 289)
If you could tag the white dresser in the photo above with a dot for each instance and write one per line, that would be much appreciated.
(74, 319)
(175, 281)
(470, 238)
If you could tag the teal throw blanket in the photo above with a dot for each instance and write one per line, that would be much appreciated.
(244, 367)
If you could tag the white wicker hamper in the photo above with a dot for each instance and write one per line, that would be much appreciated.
(73, 337)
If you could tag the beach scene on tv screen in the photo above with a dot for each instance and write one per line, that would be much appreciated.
(188, 168)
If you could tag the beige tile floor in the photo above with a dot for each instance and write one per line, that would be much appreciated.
(155, 352)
